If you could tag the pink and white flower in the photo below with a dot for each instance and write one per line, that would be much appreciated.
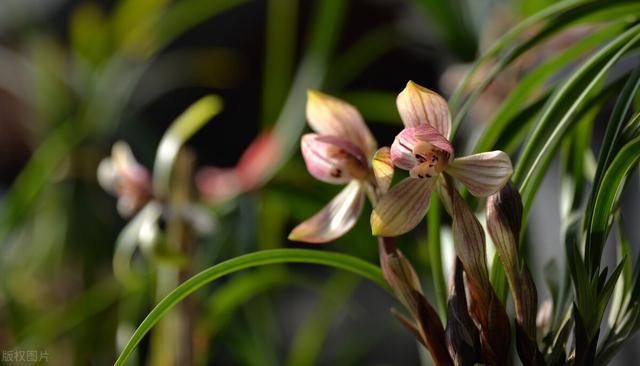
(423, 148)
(339, 153)
(122, 176)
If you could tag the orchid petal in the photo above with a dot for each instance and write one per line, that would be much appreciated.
(332, 159)
(403, 147)
(402, 208)
(334, 219)
(331, 116)
(258, 160)
(219, 184)
(401, 151)
(418, 105)
(383, 168)
(431, 135)
(483, 174)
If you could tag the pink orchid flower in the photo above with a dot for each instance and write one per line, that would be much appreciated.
(218, 185)
(423, 148)
(122, 176)
(338, 153)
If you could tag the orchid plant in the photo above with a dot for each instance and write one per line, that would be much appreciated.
(343, 151)
(558, 90)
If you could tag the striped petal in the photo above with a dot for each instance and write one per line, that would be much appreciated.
(383, 168)
(418, 105)
(483, 174)
(403, 149)
(332, 159)
(331, 116)
(333, 220)
(402, 208)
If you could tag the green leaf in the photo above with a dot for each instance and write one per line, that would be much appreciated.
(559, 113)
(181, 130)
(534, 80)
(559, 16)
(337, 260)
(610, 146)
(280, 47)
(36, 175)
(607, 195)
(327, 23)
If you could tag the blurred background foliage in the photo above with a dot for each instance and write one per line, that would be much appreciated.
(77, 76)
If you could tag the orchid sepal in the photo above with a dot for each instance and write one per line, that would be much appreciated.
(418, 105)
(402, 208)
(335, 219)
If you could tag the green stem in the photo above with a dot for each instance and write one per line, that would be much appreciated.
(435, 256)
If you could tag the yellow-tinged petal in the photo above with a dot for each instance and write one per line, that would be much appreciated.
(403, 207)
(334, 219)
(483, 174)
(328, 115)
(383, 168)
(418, 105)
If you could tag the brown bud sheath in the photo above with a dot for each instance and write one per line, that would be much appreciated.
(404, 282)
(462, 335)
(504, 217)
(485, 307)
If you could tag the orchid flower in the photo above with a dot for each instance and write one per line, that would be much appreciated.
(218, 185)
(122, 176)
(423, 148)
(338, 153)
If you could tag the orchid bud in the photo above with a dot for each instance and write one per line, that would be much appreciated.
(504, 217)
(404, 282)
(463, 340)
(485, 307)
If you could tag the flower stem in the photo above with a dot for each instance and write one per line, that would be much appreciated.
(435, 255)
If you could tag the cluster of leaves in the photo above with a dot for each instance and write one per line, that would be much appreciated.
(561, 116)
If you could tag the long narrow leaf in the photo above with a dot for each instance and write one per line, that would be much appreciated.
(337, 260)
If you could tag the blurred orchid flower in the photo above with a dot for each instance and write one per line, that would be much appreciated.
(337, 153)
(125, 178)
(423, 148)
(222, 184)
